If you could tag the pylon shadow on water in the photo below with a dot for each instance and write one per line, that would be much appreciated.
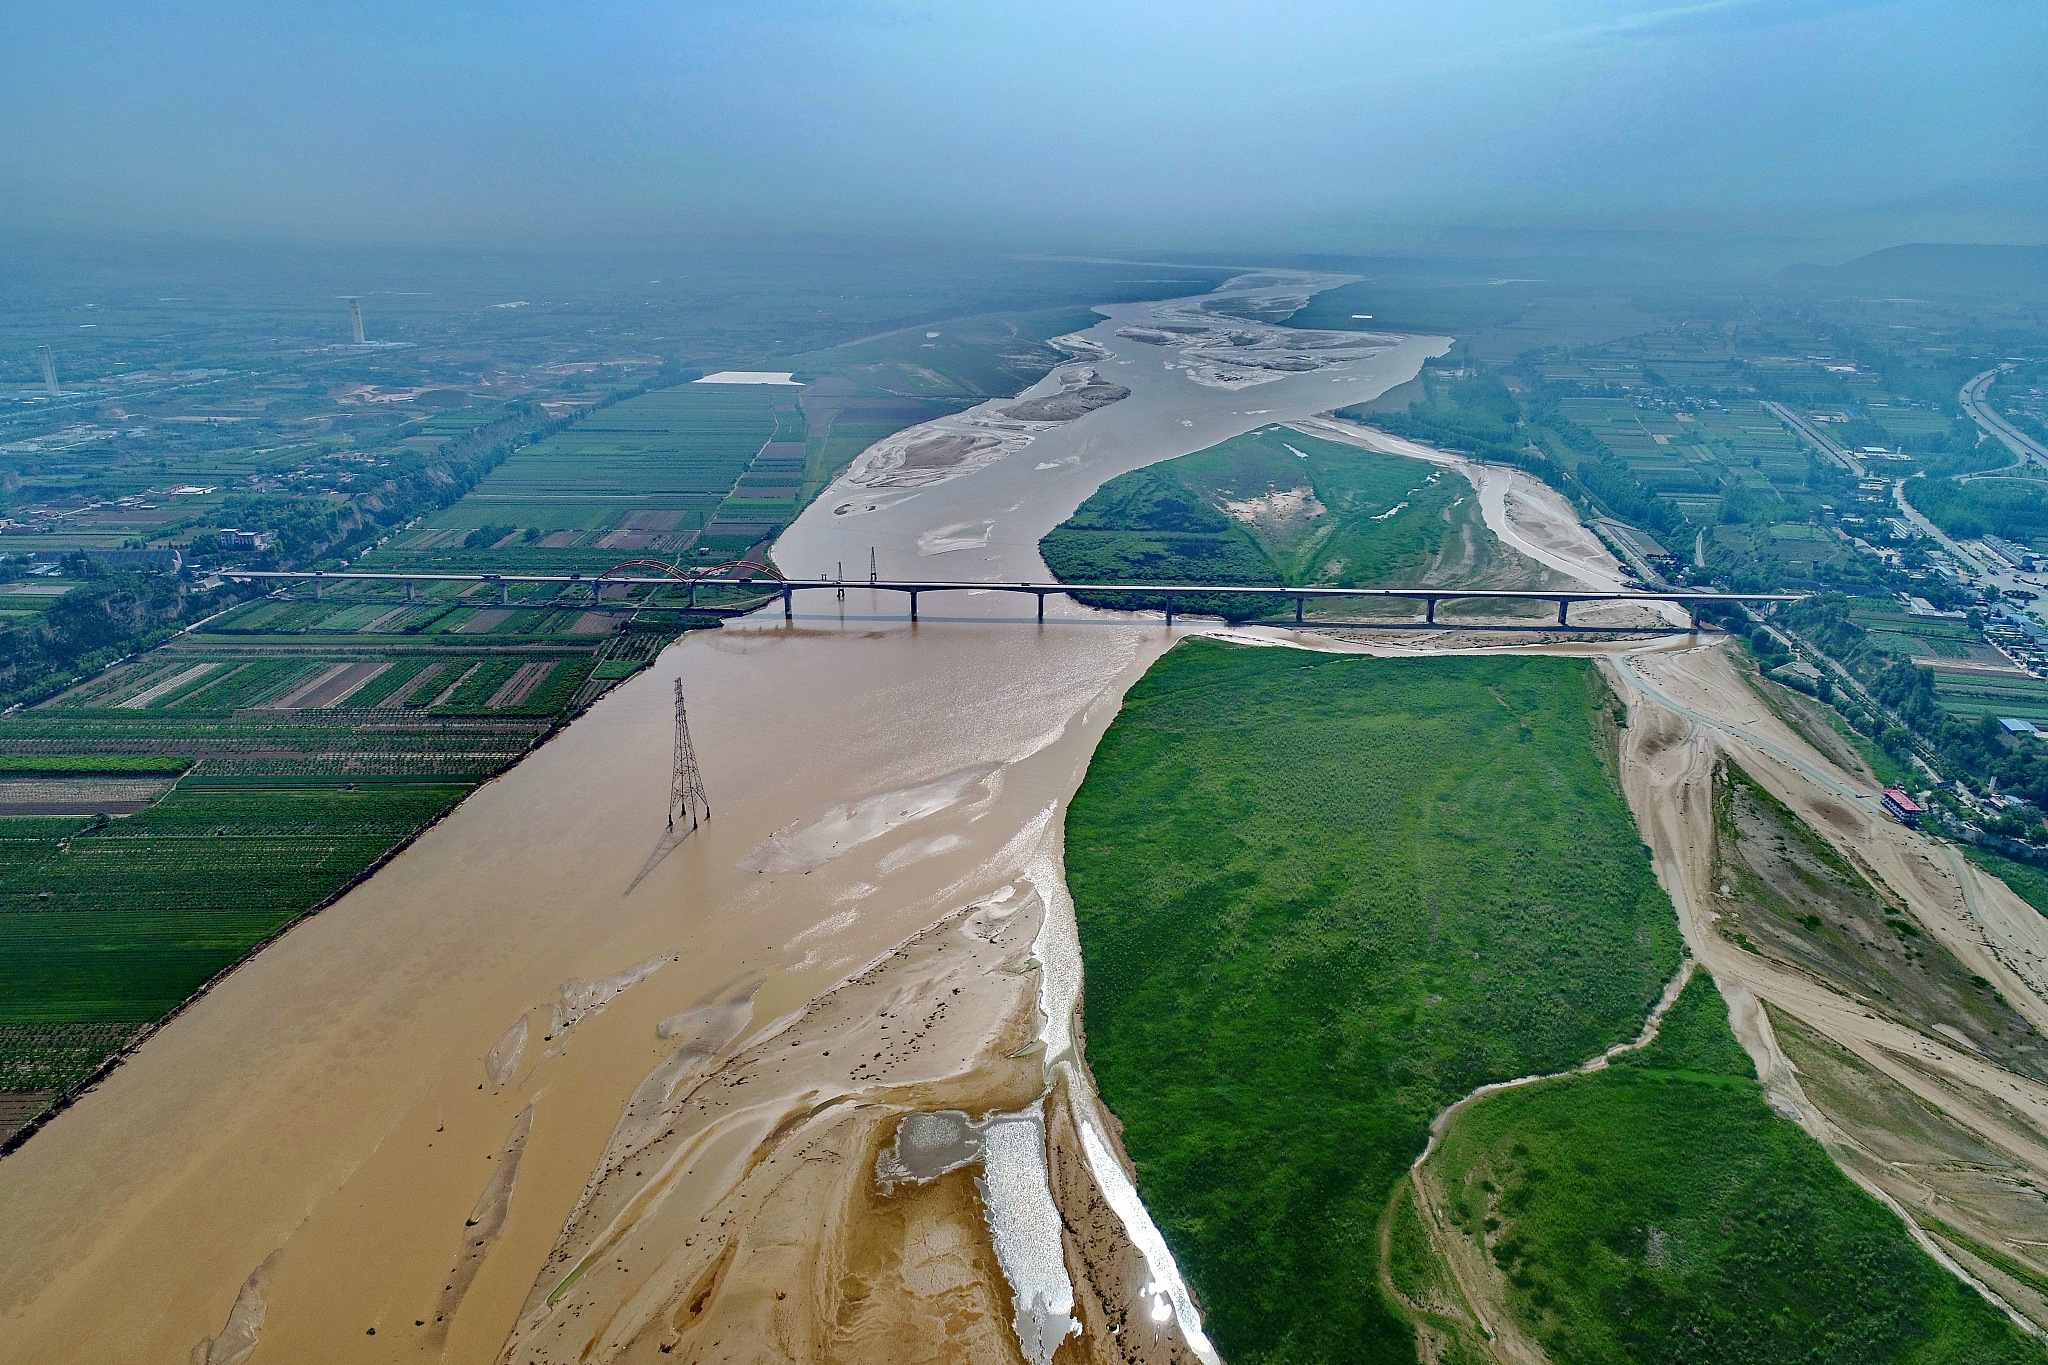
(670, 841)
(688, 804)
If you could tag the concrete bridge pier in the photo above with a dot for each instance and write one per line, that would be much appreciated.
(1041, 608)
(410, 587)
(1695, 620)
(788, 613)
(1563, 605)
(1429, 611)
(504, 594)
(1169, 611)
(913, 603)
(1299, 603)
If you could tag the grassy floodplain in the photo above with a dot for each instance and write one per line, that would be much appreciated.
(1319, 898)
(1275, 506)
(1659, 1211)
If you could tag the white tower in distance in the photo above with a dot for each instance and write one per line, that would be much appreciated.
(355, 319)
(49, 371)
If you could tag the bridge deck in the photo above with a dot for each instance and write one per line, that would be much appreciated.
(914, 588)
(923, 585)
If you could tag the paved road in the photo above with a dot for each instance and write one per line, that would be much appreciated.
(1973, 401)
(1827, 444)
(1983, 566)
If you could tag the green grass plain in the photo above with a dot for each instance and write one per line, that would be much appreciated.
(1659, 1211)
(1319, 898)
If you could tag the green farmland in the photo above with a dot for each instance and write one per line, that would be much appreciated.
(1696, 458)
(1659, 1211)
(649, 476)
(1319, 898)
(1973, 695)
(692, 473)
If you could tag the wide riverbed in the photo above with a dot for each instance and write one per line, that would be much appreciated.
(316, 1161)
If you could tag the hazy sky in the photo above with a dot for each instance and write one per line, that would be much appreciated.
(1260, 122)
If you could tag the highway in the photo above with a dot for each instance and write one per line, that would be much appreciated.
(1972, 398)
(1984, 566)
(1826, 444)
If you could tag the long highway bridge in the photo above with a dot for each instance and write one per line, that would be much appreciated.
(788, 588)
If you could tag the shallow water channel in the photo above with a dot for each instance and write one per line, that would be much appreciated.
(295, 1163)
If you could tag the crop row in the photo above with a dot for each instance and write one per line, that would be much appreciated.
(196, 872)
(56, 1056)
(127, 966)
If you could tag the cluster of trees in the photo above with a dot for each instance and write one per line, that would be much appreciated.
(1474, 413)
(485, 536)
(310, 528)
(2012, 508)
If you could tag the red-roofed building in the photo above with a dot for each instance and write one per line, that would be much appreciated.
(1902, 807)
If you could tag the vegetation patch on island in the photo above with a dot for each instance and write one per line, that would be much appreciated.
(1276, 507)
(1320, 898)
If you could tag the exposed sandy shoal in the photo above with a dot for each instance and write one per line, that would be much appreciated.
(1081, 392)
(924, 455)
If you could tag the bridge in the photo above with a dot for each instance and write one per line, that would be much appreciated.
(787, 588)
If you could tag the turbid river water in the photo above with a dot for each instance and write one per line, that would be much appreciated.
(398, 1132)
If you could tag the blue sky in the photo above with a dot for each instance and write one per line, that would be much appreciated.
(1282, 123)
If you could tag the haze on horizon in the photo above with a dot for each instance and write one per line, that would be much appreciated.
(1299, 125)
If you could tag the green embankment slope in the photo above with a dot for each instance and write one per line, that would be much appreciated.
(1659, 1211)
(1319, 898)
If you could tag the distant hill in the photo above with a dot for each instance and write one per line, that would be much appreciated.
(1933, 268)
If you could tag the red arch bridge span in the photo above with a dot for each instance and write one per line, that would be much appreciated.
(765, 579)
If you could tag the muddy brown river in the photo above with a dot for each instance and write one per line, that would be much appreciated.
(551, 1083)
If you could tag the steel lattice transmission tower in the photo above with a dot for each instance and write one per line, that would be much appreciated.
(686, 785)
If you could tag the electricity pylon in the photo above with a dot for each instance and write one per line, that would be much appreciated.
(686, 784)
